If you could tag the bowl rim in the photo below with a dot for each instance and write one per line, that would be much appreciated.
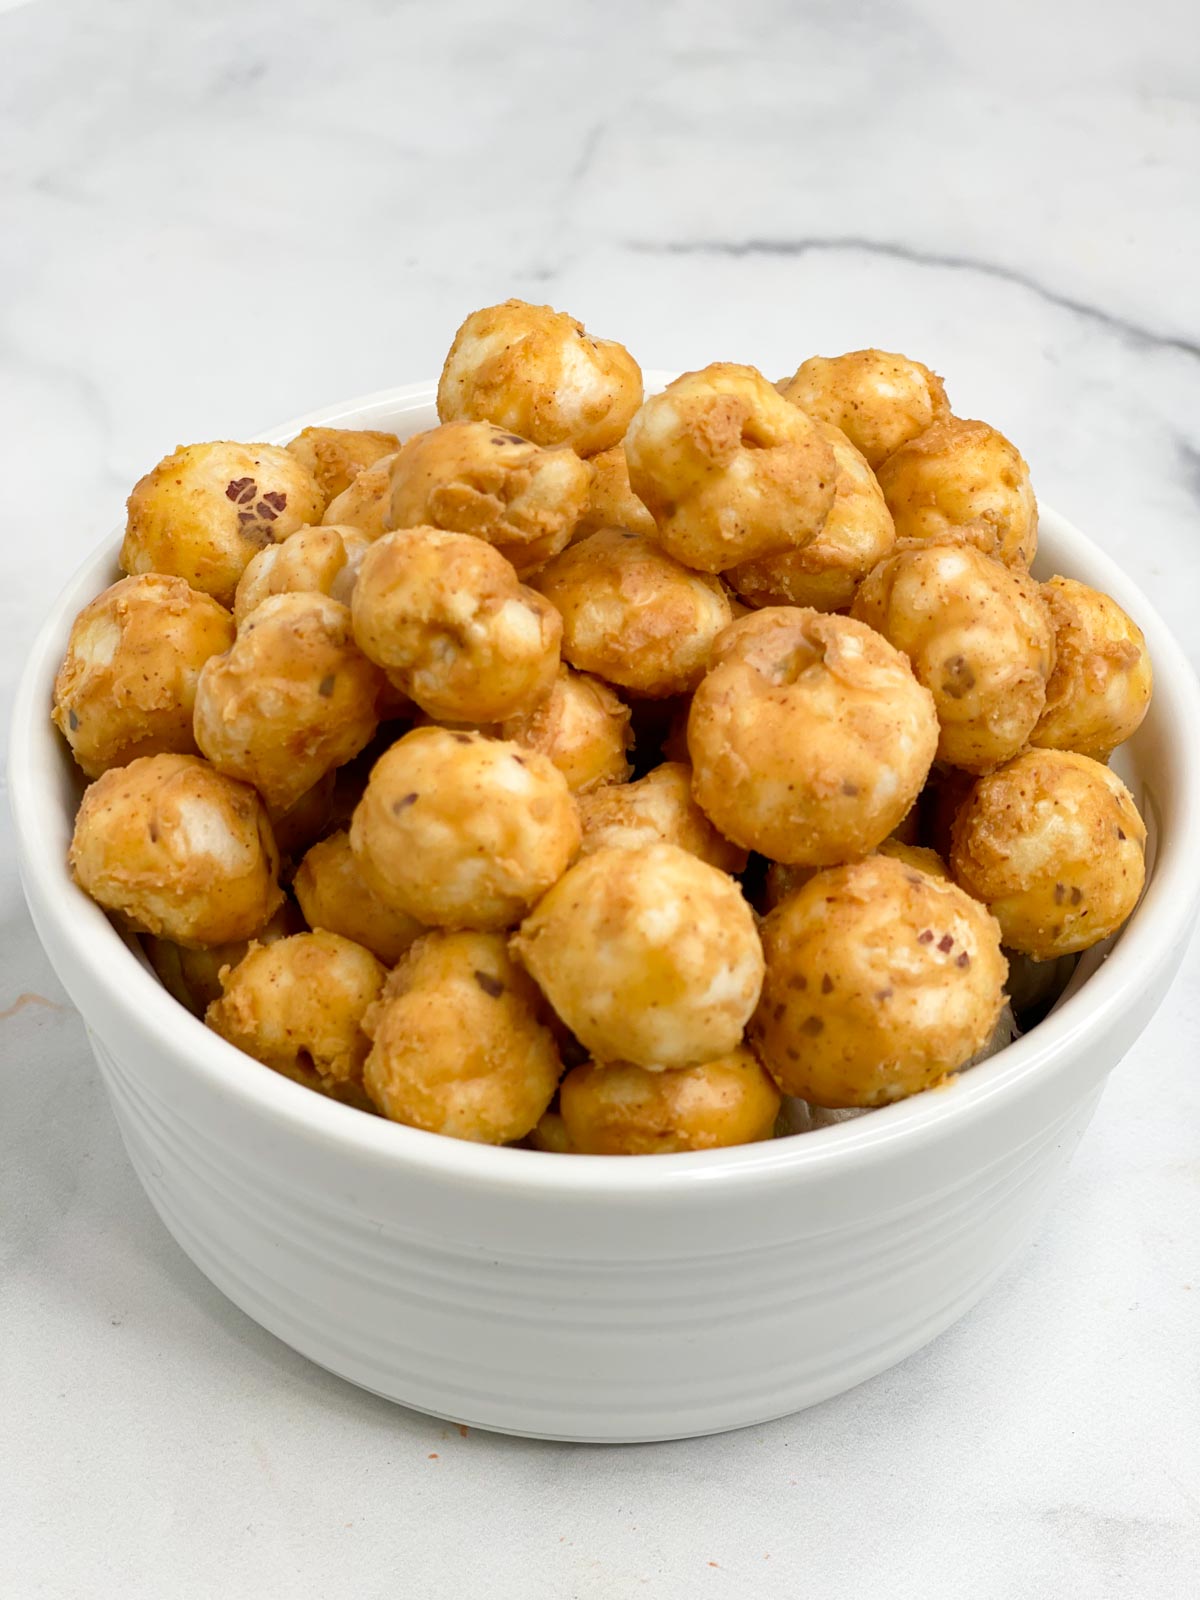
(108, 960)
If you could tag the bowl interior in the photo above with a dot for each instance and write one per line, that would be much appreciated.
(1160, 764)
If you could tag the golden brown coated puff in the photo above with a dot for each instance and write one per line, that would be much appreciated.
(1102, 681)
(1053, 844)
(539, 373)
(334, 895)
(878, 399)
(472, 477)
(979, 638)
(729, 470)
(611, 503)
(581, 726)
(292, 699)
(824, 573)
(336, 456)
(460, 1046)
(178, 849)
(810, 737)
(299, 1003)
(657, 809)
(204, 511)
(462, 831)
(127, 683)
(367, 502)
(647, 955)
(623, 1110)
(320, 560)
(633, 615)
(880, 980)
(193, 976)
(963, 477)
(446, 616)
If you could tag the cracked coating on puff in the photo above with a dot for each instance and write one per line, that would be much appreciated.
(127, 684)
(623, 1110)
(298, 1003)
(1054, 845)
(539, 373)
(336, 456)
(632, 615)
(877, 398)
(446, 616)
(205, 510)
(472, 477)
(648, 955)
(880, 980)
(459, 1044)
(729, 470)
(825, 573)
(1102, 681)
(178, 849)
(462, 831)
(961, 476)
(810, 737)
(979, 638)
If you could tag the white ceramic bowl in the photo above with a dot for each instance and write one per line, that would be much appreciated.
(600, 1298)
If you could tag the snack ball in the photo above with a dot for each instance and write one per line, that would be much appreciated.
(1102, 681)
(460, 1045)
(319, 560)
(825, 573)
(472, 477)
(611, 503)
(581, 727)
(623, 1110)
(127, 683)
(878, 399)
(880, 980)
(298, 1004)
(336, 456)
(293, 698)
(178, 849)
(334, 895)
(446, 616)
(647, 955)
(538, 373)
(204, 511)
(657, 809)
(633, 615)
(729, 469)
(461, 831)
(810, 737)
(979, 638)
(961, 477)
(366, 502)
(1053, 844)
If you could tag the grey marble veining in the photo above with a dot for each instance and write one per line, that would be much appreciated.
(212, 217)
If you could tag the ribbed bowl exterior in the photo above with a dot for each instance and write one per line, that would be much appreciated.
(594, 1298)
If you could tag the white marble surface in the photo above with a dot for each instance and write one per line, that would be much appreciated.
(216, 216)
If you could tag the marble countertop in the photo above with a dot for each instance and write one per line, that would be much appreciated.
(214, 217)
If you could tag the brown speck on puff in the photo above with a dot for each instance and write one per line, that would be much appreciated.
(72, 721)
(241, 490)
(884, 994)
(1060, 891)
(797, 981)
(812, 1026)
(1120, 833)
(964, 960)
(826, 984)
(489, 985)
(777, 1013)
(849, 788)
(325, 687)
(925, 936)
(462, 738)
(1076, 896)
(402, 805)
(945, 944)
